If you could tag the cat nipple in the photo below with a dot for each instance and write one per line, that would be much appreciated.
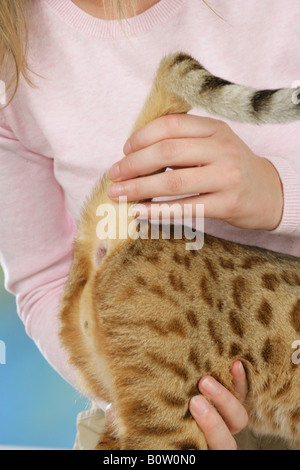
(101, 253)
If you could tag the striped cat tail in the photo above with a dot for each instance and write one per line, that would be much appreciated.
(181, 84)
(184, 79)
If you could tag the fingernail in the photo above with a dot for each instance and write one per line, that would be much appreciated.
(127, 147)
(210, 386)
(115, 190)
(241, 368)
(114, 171)
(199, 406)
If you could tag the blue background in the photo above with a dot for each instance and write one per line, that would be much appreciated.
(37, 407)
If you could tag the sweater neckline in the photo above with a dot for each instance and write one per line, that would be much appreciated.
(88, 24)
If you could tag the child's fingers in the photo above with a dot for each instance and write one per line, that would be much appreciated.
(228, 406)
(217, 434)
(171, 126)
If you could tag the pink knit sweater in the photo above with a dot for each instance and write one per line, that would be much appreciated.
(58, 138)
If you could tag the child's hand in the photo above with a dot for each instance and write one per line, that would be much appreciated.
(208, 158)
(217, 426)
(228, 417)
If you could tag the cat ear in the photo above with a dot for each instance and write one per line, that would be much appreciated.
(101, 252)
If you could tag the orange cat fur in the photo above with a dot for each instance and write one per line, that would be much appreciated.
(143, 320)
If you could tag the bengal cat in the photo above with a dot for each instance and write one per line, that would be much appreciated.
(144, 319)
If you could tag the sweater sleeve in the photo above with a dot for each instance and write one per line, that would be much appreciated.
(289, 173)
(36, 238)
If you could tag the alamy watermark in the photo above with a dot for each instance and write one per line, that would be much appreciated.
(119, 222)
(2, 352)
(2, 92)
(296, 354)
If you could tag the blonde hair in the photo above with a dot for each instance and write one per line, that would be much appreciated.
(13, 37)
(13, 40)
(118, 7)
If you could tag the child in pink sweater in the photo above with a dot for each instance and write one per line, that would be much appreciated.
(59, 137)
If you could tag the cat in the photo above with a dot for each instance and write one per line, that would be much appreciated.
(144, 319)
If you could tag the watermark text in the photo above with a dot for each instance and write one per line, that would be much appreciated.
(296, 354)
(177, 221)
(2, 353)
(2, 92)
